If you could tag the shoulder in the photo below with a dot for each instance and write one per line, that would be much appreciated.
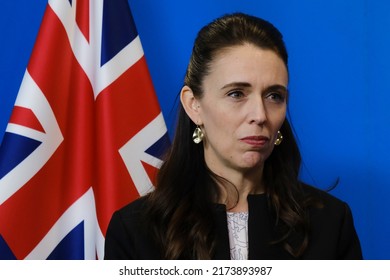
(324, 199)
(128, 218)
(326, 211)
(127, 235)
(133, 209)
(333, 234)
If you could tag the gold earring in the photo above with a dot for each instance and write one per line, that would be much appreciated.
(279, 138)
(198, 135)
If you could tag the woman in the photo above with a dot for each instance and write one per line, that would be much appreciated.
(229, 186)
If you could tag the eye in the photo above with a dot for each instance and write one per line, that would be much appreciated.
(276, 97)
(236, 94)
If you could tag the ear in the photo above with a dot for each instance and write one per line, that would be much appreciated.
(190, 105)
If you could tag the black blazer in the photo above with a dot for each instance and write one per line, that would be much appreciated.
(332, 232)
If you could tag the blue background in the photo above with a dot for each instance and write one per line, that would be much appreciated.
(339, 85)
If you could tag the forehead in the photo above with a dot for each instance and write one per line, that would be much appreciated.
(247, 63)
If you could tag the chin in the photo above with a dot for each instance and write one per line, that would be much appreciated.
(252, 165)
(253, 160)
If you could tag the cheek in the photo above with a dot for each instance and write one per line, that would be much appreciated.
(277, 119)
(216, 118)
(217, 128)
(220, 130)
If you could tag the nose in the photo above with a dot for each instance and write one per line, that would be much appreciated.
(257, 111)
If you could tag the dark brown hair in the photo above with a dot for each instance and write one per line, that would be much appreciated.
(179, 209)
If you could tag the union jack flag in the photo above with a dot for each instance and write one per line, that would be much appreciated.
(85, 136)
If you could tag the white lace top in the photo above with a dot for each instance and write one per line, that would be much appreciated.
(238, 235)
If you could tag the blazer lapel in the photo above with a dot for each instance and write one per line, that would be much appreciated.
(261, 231)
(222, 250)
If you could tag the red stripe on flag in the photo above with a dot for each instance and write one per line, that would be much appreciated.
(151, 171)
(25, 117)
(82, 17)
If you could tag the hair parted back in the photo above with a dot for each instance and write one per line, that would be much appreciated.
(179, 213)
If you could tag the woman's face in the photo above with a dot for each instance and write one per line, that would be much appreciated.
(242, 108)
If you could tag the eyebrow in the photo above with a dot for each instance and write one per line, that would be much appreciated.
(277, 88)
(237, 84)
(247, 85)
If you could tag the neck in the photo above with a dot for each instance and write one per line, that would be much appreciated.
(244, 183)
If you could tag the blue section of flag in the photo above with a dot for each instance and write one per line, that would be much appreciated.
(13, 150)
(118, 28)
(160, 147)
(5, 251)
(71, 247)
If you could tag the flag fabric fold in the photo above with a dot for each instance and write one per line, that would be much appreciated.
(85, 136)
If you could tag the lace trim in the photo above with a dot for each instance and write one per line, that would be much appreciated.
(238, 235)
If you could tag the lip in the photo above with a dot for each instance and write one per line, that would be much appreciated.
(256, 141)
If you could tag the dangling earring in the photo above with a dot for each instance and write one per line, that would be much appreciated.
(198, 135)
(279, 138)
